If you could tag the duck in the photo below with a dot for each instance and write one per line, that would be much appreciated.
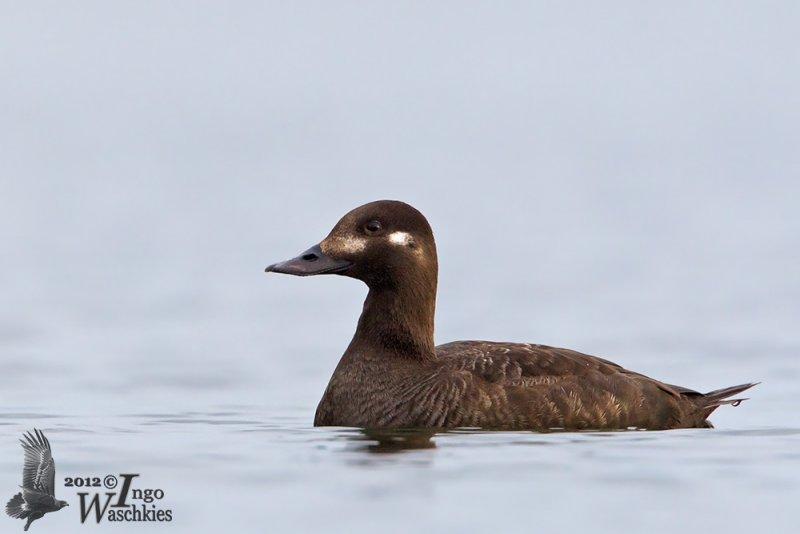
(392, 375)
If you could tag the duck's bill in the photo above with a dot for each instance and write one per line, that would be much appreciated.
(309, 263)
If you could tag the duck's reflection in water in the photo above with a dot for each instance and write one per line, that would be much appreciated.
(395, 440)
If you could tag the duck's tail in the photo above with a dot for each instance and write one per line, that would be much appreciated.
(708, 402)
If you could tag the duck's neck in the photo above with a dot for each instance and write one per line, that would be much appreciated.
(398, 320)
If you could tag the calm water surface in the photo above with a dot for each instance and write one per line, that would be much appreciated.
(202, 375)
(231, 442)
(245, 466)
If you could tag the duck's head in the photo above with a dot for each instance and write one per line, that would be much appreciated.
(381, 243)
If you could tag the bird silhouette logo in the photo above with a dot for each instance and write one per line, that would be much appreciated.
(38, 480)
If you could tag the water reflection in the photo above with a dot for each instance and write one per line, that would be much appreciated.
(396, 440)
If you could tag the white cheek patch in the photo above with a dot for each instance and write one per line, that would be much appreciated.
(354, 244)
(347, 245)
(401, 238)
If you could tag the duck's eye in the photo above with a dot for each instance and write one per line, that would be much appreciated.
(373, 227)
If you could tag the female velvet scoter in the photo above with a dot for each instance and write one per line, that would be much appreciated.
(393, 376)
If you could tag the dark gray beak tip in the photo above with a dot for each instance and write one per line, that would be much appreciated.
(309, 263)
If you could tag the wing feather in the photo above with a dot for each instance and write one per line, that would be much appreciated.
(561, 387)
(39, 469)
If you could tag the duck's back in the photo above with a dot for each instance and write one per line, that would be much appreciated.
(516, 385)
(507, 386)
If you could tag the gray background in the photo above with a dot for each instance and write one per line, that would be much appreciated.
(618, 178)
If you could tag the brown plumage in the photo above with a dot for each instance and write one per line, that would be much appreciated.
(392, 375)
